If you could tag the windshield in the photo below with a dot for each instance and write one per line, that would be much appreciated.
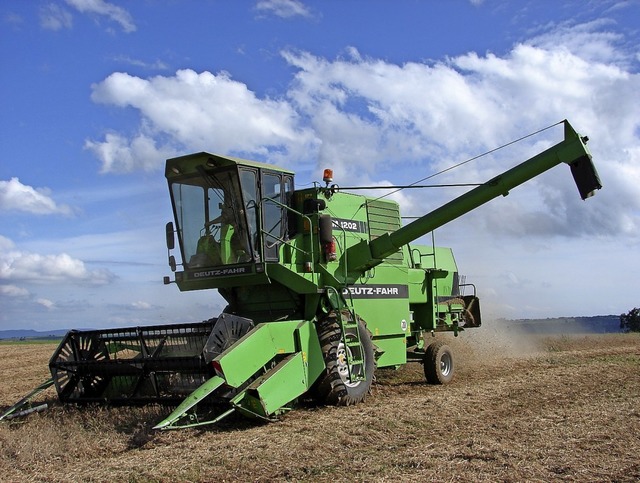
(211, 222)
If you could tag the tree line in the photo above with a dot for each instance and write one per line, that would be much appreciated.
(630, 322)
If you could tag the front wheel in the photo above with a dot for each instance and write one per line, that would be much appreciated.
(342, 384)
(438, 363)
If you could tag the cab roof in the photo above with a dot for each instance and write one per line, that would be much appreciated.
(188, 163)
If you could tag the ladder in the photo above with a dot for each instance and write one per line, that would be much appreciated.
(350, 336)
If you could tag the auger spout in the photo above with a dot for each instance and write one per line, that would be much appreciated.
(572, 151)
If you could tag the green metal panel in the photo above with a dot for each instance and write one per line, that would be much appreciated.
(209, 386)
(384, 217)
(394, 351)
(429, 283)
(381, 301)
(308, 343)
(444, 261)
(253, 351)
(417, 285)
(281, 385)
(289, 378)
(290, 278)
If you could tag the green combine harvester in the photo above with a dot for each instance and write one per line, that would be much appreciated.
(323, 287)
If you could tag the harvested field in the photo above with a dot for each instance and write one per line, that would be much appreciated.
(541, 409)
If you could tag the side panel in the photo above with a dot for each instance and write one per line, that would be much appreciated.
(436, 279)
(394, 351)
(290, 378)
(243, 359)
(382, 301)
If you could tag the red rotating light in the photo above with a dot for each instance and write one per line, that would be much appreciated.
(327, 176)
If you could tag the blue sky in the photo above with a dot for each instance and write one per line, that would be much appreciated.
(96, 94)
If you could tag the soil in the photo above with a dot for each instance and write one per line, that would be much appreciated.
(528, 409)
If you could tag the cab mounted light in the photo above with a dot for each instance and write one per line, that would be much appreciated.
(327, 176)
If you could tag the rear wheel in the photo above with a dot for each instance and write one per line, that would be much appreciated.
(438, 363)
(342, 384)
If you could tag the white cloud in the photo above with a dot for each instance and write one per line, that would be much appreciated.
(467, 104)
(203, 111)
(283, 8)
(591, 40)
(112, 12)
(54, 17)
(32, 267)
(157, 65)
(6, 244)
(13, 291)
(140, 305)
(372, 119)
(15, 196)
(46, 303)
(121, 155)
(373, 116)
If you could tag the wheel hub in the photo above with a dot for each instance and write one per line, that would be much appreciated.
(445, 364)
(343, 367)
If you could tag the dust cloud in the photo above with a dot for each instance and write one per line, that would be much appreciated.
(495, 341)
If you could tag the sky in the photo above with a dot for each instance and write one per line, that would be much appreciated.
(95, 95)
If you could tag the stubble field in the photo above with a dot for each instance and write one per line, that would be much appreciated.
(522, 409)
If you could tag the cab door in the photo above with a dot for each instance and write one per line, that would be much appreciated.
(276, 190)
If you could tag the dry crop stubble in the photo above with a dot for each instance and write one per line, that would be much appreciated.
(558, 408)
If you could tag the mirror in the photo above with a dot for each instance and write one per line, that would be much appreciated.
(170, 237)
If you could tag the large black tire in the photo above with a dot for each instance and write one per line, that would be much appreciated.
(438, 363)
(334, 385)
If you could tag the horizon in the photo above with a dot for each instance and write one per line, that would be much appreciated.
(577, 319)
